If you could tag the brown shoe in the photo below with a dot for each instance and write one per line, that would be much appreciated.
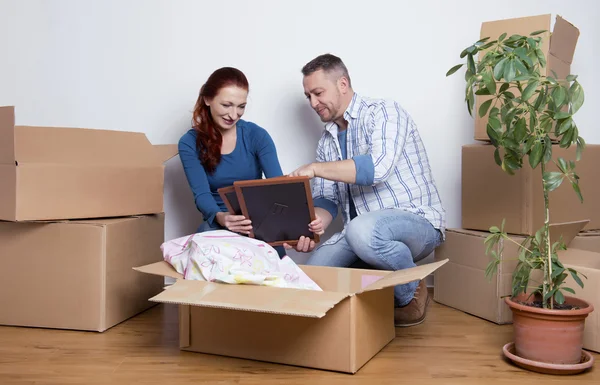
(414, 312)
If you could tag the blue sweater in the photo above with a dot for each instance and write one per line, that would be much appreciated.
(253, 155)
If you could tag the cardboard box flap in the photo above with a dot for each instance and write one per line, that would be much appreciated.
(59, 145)
(165, 151)
(7, 135)
(567, 230)
(261, 299)
(162, 268)
(580, 258)
(405, 276)
(521, 26)
(564, 40)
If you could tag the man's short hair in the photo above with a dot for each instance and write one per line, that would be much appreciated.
(328, 63)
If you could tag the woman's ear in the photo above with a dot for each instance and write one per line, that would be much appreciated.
(206, 102)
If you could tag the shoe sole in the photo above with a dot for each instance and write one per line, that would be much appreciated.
(418, 321)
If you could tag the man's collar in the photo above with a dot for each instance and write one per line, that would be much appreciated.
(350, 113)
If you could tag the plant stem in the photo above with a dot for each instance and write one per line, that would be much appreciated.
(548, 279)
(518, 244)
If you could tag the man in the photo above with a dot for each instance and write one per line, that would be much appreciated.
(371, 164)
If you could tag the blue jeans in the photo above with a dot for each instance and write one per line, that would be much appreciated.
(390, 239)
(205, 226)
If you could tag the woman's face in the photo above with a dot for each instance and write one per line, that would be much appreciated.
(228, 106)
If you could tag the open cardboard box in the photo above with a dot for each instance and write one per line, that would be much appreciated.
(51, 173)
(558, 48)
(340, 328)
(462, 283)
(490, 195)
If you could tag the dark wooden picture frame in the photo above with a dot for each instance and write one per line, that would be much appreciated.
(282, 204)
(229, 197)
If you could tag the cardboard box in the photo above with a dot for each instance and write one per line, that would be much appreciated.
(340, 328)
(51, 173)
(489, 194)
(462, 284)
(587, 262)
(558, 49)
(78, 274)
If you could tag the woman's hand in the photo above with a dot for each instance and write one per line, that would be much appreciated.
(316, 226)
(235, 223)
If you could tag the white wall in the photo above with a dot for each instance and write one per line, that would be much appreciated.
(138, 66)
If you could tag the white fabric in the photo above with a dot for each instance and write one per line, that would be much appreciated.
(227, 257)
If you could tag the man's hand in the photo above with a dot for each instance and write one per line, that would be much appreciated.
(318, 226)
(306, 170)
(235, 223)
(304, 245)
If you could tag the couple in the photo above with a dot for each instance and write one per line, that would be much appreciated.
(371, 164)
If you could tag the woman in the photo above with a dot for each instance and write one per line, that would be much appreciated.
(222, 148)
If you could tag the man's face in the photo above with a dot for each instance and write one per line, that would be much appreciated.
(324, 95)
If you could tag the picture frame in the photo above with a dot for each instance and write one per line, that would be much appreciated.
(280, 208)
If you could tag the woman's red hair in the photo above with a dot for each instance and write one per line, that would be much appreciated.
(209, 138)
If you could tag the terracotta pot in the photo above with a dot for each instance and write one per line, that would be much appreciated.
(550, 336)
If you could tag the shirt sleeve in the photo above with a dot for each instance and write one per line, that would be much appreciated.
(197, 179)
(323, 190)
(266, 153)
(390, 129)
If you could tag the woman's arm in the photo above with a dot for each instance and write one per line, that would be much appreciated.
(267, 153)
(197, 179)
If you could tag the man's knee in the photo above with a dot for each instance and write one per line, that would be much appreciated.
(359, 234)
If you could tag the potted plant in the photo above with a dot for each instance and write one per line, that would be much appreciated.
(526, 112)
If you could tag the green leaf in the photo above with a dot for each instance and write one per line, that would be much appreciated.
(495, 123)
(497, 157)
(575, 186)
(541, 57)
(509, 95)
(494, 112)
(499, 69)
(536, 154)
(577, 97)
(553, 180)
(519, 66)
(569, 290)
(484, 107)
(488, 45)
(504, 87)
(492, 134)
(580, 148)
(547, 149)
(559, 298)
(571, 78)
(520, 130)
(522, 53)
(489, 82)
(529, 90)
(559, 95)
(561, 115)
(509, 71)
(454, 69)
(482, 92)
(537, 32)
(565, 125)
(471, 63)
(576, 278)
(562, 165)
(539, 101)
(502, 37)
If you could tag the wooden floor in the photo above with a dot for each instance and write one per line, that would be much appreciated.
(449, 348)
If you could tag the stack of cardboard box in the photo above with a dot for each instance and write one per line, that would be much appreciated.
(489, 195)
(79, 208)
